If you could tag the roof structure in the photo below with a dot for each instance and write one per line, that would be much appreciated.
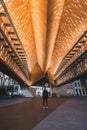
(47, 31)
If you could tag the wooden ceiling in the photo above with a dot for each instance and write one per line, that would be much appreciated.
(48, 29)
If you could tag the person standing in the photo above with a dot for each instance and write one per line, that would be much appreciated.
(45, 98)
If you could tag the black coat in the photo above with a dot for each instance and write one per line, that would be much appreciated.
(45, 94)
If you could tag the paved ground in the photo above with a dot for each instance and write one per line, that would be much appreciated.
(63, 114)
(27, 114)
(9, 101)
(72, 115)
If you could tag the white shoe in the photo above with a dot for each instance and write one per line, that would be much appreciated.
(47, 107)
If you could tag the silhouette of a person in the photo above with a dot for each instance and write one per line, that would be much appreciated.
(45, 98)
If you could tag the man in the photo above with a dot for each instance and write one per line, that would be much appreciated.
(45, 98)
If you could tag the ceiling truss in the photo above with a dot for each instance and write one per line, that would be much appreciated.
(43, 34)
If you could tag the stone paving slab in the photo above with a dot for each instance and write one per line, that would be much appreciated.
(72, 115)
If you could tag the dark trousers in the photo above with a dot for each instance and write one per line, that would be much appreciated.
(45, 102)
